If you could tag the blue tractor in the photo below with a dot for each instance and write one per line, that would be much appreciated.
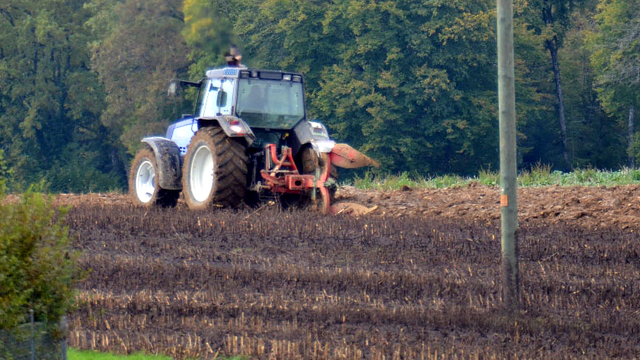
(249, 140)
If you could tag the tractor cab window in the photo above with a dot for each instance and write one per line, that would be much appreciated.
(224, 97)
(271, 104)
(217, 98)
(210, 99)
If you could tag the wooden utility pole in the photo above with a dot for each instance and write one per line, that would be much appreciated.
(508, 169)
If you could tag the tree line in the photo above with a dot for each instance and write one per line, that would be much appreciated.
(413, 83)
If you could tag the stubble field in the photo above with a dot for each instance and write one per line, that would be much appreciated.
(417, 278)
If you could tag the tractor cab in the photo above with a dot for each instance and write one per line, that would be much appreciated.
(263, 99)
(261, 106)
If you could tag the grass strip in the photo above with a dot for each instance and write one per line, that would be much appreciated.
(74, 354)
(539, 175)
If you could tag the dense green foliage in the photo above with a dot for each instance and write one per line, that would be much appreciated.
(411, 83)
(615, 55)
(37, 265)
(136, 50)
(50, 101)
(5, 172)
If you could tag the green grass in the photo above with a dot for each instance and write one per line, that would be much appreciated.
(73, 354)
(539, 175)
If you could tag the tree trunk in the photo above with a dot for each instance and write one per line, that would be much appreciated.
(632, 155)
(553, 50)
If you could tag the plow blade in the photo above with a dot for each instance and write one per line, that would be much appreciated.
(350, 209)
(345, 156)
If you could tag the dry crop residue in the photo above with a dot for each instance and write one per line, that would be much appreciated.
(591, 207)
(418, 277)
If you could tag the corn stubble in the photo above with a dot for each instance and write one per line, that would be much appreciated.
(289, 285)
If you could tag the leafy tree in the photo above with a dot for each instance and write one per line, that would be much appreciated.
(290, 35)
(534, 93)
(138, 48)
(550, 20)
(592, 138)
(616, 60)
(209, 32)
(49, 99)
(595, 139)
(411, 83)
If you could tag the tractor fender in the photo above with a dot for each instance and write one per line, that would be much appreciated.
(233, 127)
(313, 133)
(168, 162)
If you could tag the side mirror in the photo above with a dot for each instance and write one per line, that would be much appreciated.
(173, 88)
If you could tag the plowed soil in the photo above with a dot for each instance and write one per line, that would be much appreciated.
(590, 207)
(416, 278)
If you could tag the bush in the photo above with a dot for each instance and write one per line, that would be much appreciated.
(37, 266)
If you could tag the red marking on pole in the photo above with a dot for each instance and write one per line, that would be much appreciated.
(504, 200)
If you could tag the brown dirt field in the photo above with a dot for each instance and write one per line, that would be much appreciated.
(418, 278)
(591, 207)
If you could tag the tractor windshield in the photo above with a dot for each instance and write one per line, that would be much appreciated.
(271, 104)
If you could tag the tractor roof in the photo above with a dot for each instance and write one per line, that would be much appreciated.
(243, 72)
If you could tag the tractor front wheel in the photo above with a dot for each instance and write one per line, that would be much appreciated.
(215, 170)
(143, 182)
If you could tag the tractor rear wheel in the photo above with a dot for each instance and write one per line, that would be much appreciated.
(144, 187)
(215, 170)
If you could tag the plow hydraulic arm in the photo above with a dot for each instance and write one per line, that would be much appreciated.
(282, 176)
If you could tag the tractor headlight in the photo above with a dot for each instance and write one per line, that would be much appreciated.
(238, 129)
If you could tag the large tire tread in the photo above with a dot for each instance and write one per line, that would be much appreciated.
(230, 169)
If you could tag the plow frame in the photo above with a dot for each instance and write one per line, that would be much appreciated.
(282, 176)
